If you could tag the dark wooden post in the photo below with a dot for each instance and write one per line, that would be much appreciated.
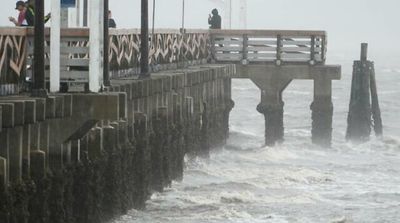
(39, 82)
(312, 50)
(245, 49)
(106, 65)
(278, 50)
(144, 37)
(363, 91)
(323, 49)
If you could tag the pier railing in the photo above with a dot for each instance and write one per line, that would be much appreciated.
(168, 49)
(269, 46)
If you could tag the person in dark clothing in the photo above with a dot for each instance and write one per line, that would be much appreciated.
(30, 14)
(215, 20)
(111, 21)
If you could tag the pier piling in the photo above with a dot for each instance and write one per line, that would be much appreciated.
(322, 112)
(364, 110)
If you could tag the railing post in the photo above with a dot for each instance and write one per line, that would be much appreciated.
(312, 51)
(278, 50)
(212, 48)
(245, 49)
(323, 49)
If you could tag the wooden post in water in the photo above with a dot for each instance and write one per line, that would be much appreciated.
(364, 108)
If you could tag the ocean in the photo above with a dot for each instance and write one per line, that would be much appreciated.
(296, 181)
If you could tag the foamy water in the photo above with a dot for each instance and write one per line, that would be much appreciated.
(295, 181)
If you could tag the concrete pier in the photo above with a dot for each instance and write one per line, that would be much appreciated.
(89, 157)
(273, 80)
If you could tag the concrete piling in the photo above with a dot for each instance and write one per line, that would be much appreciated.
(273, 115)
(26, 150)
(95, 143)
(76, 150)
(271, 106)
(86, 158)
(3, 174)
(15, 153)
(38, 165)
(322, 112)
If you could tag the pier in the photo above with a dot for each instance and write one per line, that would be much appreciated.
(91, 151)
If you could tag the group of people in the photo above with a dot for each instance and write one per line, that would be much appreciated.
(26, 14)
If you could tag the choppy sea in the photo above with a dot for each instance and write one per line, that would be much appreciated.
(296, 181)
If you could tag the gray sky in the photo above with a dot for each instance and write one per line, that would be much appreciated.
(348, 22)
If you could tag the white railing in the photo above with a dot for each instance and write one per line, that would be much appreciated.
(269, 46)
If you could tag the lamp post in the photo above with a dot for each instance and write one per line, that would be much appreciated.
(85, 13)
(39, 82)
(183, 15)
(153, 19)
(144, 37)
(106, 66)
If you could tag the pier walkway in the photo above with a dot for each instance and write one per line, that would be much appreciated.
(130, 138)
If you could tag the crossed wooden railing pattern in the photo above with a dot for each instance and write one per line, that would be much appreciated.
(12, 59)
(166, 47)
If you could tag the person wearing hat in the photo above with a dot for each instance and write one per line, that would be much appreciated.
(215, 20)
(21, 21)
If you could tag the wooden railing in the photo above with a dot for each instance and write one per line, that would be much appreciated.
(12, 59)
(168, 49)
(269, 46)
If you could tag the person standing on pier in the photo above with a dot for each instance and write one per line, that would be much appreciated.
(21, 21)
(30, 14)
(215, 20)
(111, 21)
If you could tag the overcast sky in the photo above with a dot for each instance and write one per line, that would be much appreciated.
(348, 22)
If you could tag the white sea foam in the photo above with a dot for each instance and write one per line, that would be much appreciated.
(293, 182)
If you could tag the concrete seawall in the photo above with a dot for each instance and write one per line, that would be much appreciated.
(87, 158)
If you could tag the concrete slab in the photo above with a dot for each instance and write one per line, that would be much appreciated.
(96, 106)
(332, 72)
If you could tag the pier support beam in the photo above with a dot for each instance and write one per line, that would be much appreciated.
(271, 106)
(322, 112)
(273, 115)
